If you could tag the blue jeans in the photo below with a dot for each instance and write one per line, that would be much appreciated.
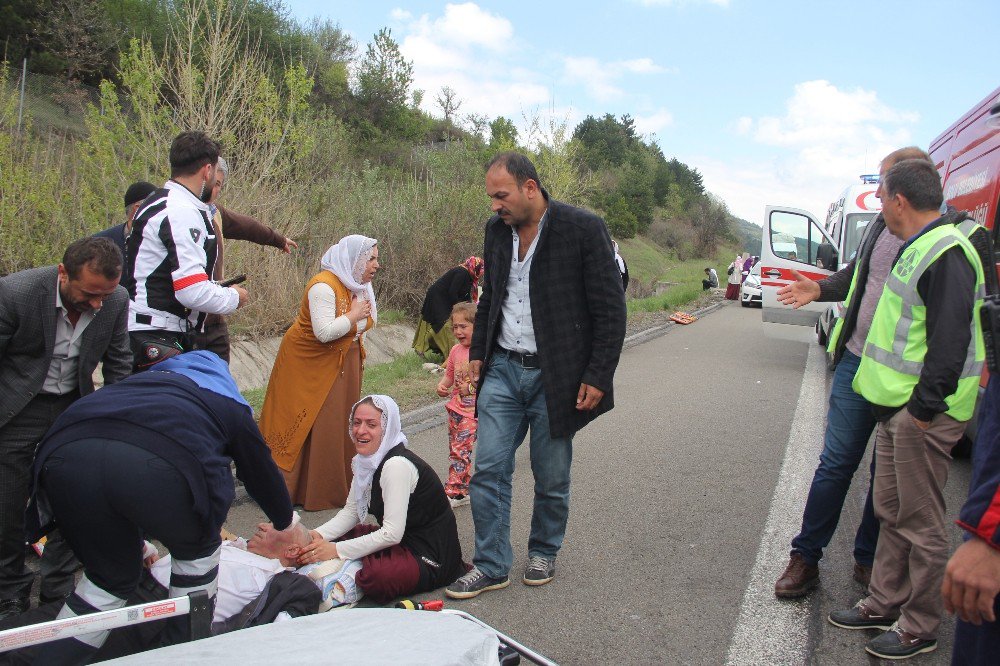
(849, 426)
(511, 400)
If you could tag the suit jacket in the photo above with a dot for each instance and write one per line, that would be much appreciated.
(577, 309)
(28, 332)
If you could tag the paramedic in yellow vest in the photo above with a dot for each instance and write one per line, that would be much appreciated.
(920, 369)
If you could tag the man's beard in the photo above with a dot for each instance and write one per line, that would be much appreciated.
(206, 192)
(77, 307)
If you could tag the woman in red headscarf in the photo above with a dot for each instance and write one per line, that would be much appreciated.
(458, 284)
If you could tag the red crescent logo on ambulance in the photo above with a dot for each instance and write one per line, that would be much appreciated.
(865, 203)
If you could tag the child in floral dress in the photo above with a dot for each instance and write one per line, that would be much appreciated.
(462, 407)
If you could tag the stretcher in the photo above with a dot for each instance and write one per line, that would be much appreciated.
(354, 636)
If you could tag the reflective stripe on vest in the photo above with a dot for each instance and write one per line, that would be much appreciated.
(897, 341)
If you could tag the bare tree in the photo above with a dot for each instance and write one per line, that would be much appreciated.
(449, 104)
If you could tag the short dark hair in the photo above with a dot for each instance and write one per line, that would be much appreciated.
(918, 181)
(190, 151)
(100, 255)
(517, 165)
(137, 192)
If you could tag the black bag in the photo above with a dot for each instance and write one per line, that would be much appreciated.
(730, 271)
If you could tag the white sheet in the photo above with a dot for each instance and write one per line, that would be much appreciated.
(348, 636)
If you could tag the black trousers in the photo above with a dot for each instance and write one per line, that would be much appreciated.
(18, 440)
(150, 347)
(105, 495)
(215, 337)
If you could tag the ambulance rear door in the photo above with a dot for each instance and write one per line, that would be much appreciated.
(792, 240)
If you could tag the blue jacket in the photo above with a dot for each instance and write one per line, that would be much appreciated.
(981, 513)
(197, 430)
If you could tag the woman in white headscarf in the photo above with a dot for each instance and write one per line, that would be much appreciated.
(317, 376)
(735, 271)
(414, 548)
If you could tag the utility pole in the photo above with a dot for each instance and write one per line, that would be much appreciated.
(20, 108)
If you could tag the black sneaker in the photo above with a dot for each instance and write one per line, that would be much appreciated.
(475, 583)
(899, 644)
(12, 607)
(859, 617)
(540, 570)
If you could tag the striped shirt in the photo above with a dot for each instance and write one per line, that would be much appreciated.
(169, 256)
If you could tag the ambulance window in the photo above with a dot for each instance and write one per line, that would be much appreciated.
(795, 237)
(855, 229)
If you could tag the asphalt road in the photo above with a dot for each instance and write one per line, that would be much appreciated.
(685, 498)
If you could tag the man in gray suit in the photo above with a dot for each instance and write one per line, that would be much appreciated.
(56, 324)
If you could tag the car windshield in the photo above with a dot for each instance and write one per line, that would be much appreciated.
(756, 269)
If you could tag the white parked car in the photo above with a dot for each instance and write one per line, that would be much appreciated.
(750, 289)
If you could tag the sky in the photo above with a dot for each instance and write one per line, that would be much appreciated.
(773, 102)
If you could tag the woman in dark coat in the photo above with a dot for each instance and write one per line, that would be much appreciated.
(457, 285)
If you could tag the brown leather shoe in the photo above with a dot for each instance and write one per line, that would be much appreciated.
(798, 580)
(862, 574)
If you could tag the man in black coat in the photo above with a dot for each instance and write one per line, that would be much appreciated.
(548, 335)
(56, 324)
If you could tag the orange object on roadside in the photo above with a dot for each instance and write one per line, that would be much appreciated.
(683, 318)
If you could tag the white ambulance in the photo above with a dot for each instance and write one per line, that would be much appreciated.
(817, 251)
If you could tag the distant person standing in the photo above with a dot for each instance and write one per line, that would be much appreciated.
(231, 225)
(134, 195)
(170, 255)
(536, 364)
(735, 272)
(711, 281)
(622, 266)
(56, 324)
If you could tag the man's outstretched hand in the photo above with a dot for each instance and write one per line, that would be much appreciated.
(801, 292)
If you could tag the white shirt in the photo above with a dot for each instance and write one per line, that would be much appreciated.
(242, 577)
(174, 272)
(62, 375)
(326, 324)
(398, 481)
(517, 332)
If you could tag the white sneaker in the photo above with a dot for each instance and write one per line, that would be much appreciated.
(458, 501)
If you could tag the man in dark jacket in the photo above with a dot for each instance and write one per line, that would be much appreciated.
(548, 336)
(850, 420)
(150, 455)
(56, 324)
(972, 577)
(134, 195)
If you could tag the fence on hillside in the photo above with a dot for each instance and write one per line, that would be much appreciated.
(50, 103)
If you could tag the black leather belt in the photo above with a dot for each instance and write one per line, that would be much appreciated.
(526, 360)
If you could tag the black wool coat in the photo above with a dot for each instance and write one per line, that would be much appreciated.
(453, 287)
(577, 309)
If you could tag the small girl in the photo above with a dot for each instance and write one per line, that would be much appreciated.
(462, 407)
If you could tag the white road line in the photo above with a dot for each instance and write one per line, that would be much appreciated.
(770, 631)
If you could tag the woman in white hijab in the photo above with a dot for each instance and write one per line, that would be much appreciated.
(414, 548)
(317, 376)
(735, 271)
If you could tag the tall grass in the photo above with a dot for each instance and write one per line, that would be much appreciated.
(685, 288)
